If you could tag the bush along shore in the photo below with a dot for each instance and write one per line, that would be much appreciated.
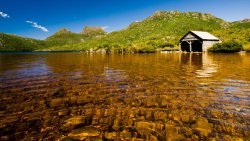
(226, 47)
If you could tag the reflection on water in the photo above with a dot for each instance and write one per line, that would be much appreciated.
(78, 96)
(114, 75)
(204, 66)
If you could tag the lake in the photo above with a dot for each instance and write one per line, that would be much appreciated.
(171, 96)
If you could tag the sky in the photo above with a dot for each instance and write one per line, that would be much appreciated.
(41, 18)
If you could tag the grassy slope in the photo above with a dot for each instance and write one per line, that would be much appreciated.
(168, 26)
(65, 36)
(17, 43)
(238, 31)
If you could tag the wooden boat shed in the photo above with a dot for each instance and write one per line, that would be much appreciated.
(197, 41)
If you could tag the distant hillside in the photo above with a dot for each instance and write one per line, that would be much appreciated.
(241, 24)
(65, 36)
(62, 37)
(16, 43)
(93, 31)
(242, 21)
(161, 30)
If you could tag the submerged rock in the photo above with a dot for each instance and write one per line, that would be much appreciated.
(73, 122)
(144, 128)
(171, 132)
(84, 133)
(202, 126)
(110, 136)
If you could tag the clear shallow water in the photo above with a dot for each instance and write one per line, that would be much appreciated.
(81, 96)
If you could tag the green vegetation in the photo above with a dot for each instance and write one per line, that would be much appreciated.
(161, 31)
(226, 47)
(241, 24)
(66, 37)
(239, 35)
(246, 47)
(237, 31)
(62, 37)
(16, 43)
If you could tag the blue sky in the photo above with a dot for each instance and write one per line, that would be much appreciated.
(41, 18)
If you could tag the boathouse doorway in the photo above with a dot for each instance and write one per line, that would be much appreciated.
(185, 46)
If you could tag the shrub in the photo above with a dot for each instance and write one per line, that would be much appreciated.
(143, 47)
(148, 49)
(246, 47)
(226, 47)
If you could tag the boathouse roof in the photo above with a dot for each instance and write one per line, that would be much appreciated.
(202, 35)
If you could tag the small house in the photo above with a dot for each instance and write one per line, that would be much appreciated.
(197, 41)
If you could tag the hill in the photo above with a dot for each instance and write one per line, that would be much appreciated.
(64, 36)
(241, 24)
(16, 43)
(162, 30)
(238, 31)
(10, 42)
(93, 31)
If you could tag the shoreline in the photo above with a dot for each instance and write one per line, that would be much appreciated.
(78, 51)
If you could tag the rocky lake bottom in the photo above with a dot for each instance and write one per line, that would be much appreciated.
(79, 96)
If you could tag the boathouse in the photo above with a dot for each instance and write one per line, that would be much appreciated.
(197, 41)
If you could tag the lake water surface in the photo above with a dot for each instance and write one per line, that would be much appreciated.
(173, 96)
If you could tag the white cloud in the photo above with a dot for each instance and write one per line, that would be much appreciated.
(34, 24)
(4, 15)
(105, 27)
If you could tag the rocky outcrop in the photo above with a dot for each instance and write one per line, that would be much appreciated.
(93, 31)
